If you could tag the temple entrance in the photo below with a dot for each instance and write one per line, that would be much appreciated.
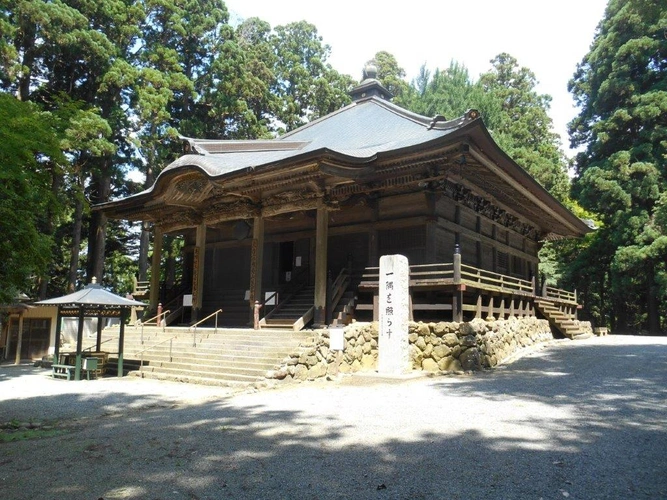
(286, 261)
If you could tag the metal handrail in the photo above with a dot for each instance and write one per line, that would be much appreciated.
(90, 349)
(194, 334)
(157, 323)
(154, 317)
(171, 345)
(295, 284)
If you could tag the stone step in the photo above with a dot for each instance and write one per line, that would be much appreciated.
(228, 355)
(193, 379)
(208, 370)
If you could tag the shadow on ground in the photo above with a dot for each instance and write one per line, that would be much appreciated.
(584, 421)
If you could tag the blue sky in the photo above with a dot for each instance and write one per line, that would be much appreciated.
(550, 38)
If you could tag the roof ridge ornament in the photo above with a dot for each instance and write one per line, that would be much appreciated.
(370, 71)
(370, 86)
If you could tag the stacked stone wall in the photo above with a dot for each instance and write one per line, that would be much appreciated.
(434, 347)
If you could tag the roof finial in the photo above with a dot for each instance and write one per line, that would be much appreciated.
(370, 71)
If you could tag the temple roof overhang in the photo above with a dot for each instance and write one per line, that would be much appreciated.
(370, 145)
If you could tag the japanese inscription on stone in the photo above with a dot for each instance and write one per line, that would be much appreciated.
(394, 303)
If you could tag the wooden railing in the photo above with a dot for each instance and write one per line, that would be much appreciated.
(559, 295)
(489, 280)
(335, 291)
(285, 293)
(457, 273)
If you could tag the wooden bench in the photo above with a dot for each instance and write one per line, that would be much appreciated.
(64, 371)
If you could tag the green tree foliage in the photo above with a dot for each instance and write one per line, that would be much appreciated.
(29, 150)
(621, 88)
(305, 84)
(449, 92)
(519, 120)
(392, 77)
(121, 79)
(516, 115)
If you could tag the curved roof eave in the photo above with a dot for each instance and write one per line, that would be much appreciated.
(538, 193)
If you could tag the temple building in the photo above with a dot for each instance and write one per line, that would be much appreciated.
(299, 223)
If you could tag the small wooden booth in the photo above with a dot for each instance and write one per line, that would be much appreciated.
(91, 301)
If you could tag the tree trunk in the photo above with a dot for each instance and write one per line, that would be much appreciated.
(145, 238)
(98, 224)
(652, 302)
(144, 244)
(76, 245)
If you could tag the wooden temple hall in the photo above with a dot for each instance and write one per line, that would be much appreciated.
(299, 223)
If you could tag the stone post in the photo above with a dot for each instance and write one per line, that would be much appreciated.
(394, 297)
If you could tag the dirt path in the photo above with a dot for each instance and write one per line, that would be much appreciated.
(583, 419)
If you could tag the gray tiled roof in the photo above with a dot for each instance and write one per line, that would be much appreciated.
(91, 295)
(360, 130)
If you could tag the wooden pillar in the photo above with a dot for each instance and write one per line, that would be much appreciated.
(256, 265)
(56, 347)
(19, 341)
(457, 297)
(199, 258)
(373, 257)
(121, 340)
(154, 291)
(321, 246)
(79, 342)
(98, 344)
(478, 308)
(501, 314)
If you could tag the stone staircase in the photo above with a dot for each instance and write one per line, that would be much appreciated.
(228, 357)
(562, 321)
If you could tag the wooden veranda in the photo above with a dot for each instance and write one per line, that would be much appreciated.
(461, 292)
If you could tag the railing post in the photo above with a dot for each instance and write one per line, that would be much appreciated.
(194, 336)
(159, 314)
(544, 286)
(457, 298)
(533, 283)
(171, 345)
(490, 311)
(457, 264)
(142, 332)
(216, 322)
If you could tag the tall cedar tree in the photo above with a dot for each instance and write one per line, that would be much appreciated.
(29, 150)
(621, 88)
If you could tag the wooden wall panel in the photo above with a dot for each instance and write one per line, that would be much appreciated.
(408, 241)
(401, 206)
(340, 246)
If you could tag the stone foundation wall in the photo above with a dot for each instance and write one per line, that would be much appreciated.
(434, 347)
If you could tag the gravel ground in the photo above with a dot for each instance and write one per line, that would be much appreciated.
(585, 419)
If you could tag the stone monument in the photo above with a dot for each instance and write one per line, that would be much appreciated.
(394, 302)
